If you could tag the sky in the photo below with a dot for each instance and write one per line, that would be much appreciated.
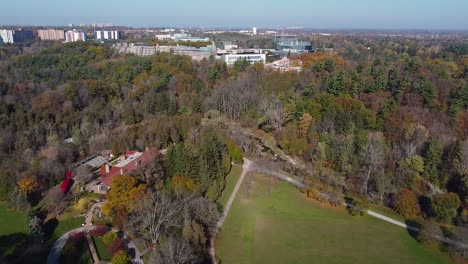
(323, 14)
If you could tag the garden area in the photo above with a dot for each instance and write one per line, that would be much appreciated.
(274, 223)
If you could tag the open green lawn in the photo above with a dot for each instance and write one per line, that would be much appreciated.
(13, 231)
(101, 248)
(65, 225)
(231, 180)
(12, 221)
(287, 227)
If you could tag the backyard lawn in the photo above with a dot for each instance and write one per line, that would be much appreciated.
(284, 226)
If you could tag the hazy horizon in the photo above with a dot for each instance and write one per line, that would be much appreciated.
(334, 14)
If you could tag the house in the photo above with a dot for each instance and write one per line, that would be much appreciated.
(128, 162)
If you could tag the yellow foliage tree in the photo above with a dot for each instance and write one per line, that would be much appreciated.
(124, 190)
(28, 184)
(182, 183)
(304, 124)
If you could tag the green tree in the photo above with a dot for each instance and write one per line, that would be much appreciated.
(432, 161)
(427, 90)
(445, 206)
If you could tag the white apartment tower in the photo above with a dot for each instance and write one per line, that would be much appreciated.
(72, 36)
(7, 35)
(106, 35)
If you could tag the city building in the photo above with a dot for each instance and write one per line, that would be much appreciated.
(7, 35)
(128, 162)
(15, 36)
(188, 38)
(107, 35)
(291, 43)
(254, 31)
(230, 59)
(72, 36)
(163, 36)
(23, 35)
(141, 49)
(51, 34)
(285, 65)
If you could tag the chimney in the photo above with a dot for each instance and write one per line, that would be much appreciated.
(107, 167)
(121, 171)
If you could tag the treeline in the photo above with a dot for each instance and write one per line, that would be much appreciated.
(379, 118)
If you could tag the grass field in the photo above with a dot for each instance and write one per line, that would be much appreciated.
(231, 180)
(286, 227)
(13, 231)
(64, 226)
(12, 221)
(101, 248)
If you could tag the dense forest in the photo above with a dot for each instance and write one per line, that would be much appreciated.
(380, 119)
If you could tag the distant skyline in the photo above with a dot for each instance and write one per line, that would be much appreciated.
(330, 14)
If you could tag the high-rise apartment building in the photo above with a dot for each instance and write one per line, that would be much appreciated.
(51, 34)
(7, 35)
(14, 36)
(72, 36)
(106, 35)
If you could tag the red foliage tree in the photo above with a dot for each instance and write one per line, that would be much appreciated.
(66, 184)
(116, 246)
(100, 230)
(76, 237)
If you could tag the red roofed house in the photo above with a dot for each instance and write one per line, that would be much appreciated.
(128, 162)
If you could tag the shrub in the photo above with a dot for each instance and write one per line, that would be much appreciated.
(356, 206)
(121, 257)
(76, 237)
(407, 204)
(115, 246)
(109, 238)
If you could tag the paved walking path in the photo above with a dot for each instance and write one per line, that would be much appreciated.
(245, 169)
(54, 255)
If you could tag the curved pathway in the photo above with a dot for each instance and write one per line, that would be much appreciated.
(54, 254)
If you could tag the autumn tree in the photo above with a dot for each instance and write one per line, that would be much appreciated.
(124, 190)
(407, 203)
(121, 257)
